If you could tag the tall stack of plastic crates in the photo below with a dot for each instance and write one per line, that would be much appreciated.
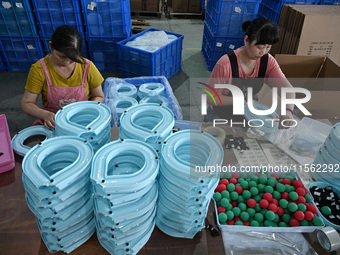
(51, 14)
(106, 23)
(272, 9)
(223, 27)
(20, 45)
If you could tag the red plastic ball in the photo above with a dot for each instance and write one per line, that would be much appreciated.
(233, 180)
(257, 174)
(264, 203)
(238, 189)
(251, 203)
(285, 195)
(300, 191)
(246, 223)
(234, 203)
(299, 215)
(224, 181)
(221, 209)
(267, 196)
(297, 184)
(306, 190)
(237, 218)
(274, 201)
(276, 176)
(312, 208)
(309, 215)
(286, 181)
(294, 223)
(221, 187)
(230, 222)
(280, 211)
(236, 175)
(301, 200)
(272, 207)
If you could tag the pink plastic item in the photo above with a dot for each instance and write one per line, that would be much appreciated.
(6, 151)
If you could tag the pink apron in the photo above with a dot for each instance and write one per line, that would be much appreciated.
(58, 97)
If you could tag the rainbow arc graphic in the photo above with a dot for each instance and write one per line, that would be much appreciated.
(209, 93)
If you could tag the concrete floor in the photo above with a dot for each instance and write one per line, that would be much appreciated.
(193, 68)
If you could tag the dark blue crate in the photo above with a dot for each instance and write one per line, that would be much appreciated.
(45, 41)
(109, 18)
(165, 61)
(272, 9)
(17, 19)
(225, 18)
(21, 52)
(213, 48)
(103, 52)
(2, 63)
(51, 14)
(330, 2)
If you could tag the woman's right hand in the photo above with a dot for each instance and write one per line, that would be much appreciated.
(49, 119)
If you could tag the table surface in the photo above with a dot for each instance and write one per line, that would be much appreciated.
(19, 232)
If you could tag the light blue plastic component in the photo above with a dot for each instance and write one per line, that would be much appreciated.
(268, 126)
(83, 117)
(150, 123)
(124, 166)
(127, 211)
(150, 89)
(123, 103)
(125, 89)
(57, 162)
(331, 147)
(19, 139)
(158, 99)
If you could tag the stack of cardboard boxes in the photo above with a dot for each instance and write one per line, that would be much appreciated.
(144, 5)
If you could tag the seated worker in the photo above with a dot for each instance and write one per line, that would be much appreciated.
(62, 77)
(248, 66)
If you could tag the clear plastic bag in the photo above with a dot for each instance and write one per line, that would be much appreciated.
(150, 41)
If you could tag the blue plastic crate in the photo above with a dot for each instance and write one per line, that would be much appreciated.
(109, 18)
(2, 63)
(165, 61)
(330, 2)
(272, 9)
(213, 48)
(21, 52)
(17, 19)
(45, 41)
(51, 14)
(104, 54)
(225, 18)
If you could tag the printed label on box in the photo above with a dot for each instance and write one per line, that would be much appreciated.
(6, 5)
(19, 5)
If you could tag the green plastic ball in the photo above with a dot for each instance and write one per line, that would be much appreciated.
(242, 206)
(308, 198)
(252, 184)
(233, 195)
(244, 185)
(230, 214)
(277, 195)
(239, 223)
(257, 198)
(283, 203)
(246, 194)
(254, 191)
(231, 187)
(280, 187)
(217, 196)
(271, 182)
(283, 224)
(268, 223)
(292, 207)
(244, 216)
(286, 218)
(270, 215)
(293, 195)
(225, 202)
(225, 194)
(325, 210)
(260, 187)
(259, 217)
(240, 199)
(254, 223)
(317, 221)
(269, 189)
(302, 207)
(222, 217)
(236, 211)
(251, 212)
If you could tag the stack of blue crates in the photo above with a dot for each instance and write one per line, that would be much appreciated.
(106, 23)
(330, 2)
(51, 14)
(223, 27)
(272, 9)
(20, 44)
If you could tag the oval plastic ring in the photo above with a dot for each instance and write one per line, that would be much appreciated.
(125, 89)
(158, 99)
(150, 89)
(123, 104)
(19, 139)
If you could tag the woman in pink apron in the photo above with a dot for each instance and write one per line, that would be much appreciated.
(62, 77)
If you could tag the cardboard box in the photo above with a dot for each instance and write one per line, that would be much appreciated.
(310, 30)
(186, 6)
(320, 75)
(144, 5)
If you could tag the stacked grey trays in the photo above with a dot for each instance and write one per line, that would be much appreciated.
(185, 187)
(125, 194)
(58, 191)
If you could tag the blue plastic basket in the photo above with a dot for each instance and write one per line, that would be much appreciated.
(104, 53)
(51, 14)
(17, 19)
(165, 61)
(272, 9)
(109, 18)
(2, 63)
(225, 18)
(213, 48)
(21, 52)
(330, 2)
(45, 41)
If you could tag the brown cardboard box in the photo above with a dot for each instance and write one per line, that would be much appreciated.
(320, 75)
(310, 30)
(144, 5)
(186, 6)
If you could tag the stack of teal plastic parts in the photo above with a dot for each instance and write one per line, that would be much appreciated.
(150, 123)
(326, 165)
(187, 180)
(87, 119)
(58, 191)
(151, 89)
(125, 195)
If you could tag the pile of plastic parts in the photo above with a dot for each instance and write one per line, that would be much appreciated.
(150, 123)
(58, 191)
(186, 182)
(125, 195)
(150, 89)
(87, 119)
(326, 162)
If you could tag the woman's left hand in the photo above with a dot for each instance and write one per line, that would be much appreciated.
(287, 120)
